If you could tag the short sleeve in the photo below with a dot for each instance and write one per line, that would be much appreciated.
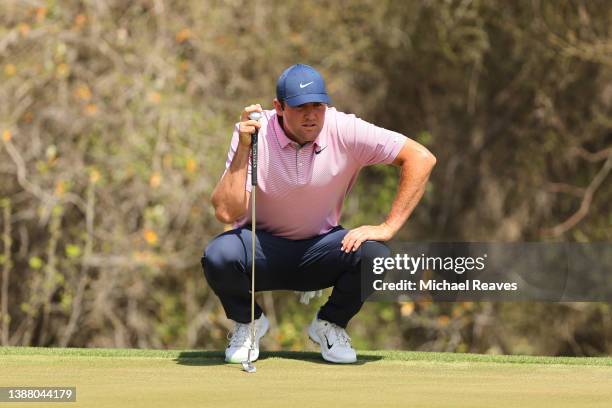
(368, 143)
(230, 157)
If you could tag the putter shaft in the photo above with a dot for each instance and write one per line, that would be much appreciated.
(248, 365)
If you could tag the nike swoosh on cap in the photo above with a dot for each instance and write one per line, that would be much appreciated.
(305, 85)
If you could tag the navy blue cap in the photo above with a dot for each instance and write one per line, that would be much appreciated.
(301, 84)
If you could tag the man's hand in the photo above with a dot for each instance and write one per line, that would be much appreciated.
(355, 237)
(247, 126)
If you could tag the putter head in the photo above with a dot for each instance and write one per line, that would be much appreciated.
(248, 365)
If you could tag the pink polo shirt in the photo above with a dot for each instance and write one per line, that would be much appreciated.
(300, 190)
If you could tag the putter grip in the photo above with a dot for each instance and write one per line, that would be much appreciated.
(254, 158)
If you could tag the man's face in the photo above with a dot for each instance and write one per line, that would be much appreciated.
(302, 123)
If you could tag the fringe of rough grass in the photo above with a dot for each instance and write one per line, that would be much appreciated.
(382, 356)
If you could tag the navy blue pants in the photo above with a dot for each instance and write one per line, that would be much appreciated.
(284, 264)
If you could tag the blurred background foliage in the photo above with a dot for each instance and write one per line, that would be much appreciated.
(116, 118)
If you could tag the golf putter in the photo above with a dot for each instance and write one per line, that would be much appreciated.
(248, 365)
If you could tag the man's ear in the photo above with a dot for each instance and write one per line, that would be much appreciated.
(278, 107)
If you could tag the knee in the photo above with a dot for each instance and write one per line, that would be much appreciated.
(372, 250)
(366, 254)
(224, 254)
(375, 249)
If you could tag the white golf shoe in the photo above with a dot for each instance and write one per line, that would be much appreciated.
(334, 341)
(237, 350)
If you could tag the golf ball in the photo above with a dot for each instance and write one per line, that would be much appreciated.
(255, 115)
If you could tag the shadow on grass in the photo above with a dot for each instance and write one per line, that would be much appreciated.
(210, 358)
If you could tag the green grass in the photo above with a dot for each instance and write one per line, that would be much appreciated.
(175, 378)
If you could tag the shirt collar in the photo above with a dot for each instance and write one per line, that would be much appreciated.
(280, 133)
(320, 140)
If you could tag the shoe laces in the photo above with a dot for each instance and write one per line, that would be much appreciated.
(241, 336)
(340, 335)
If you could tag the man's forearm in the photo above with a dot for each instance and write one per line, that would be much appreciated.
(230, 197)
(413, 179)
(416, 163)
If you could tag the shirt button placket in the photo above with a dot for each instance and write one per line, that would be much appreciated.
(297, 166)
(301, 164)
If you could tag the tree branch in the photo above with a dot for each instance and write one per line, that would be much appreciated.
(585, 205)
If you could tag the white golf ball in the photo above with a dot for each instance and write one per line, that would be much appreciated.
(255, 115)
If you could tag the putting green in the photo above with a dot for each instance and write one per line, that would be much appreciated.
(151, 378)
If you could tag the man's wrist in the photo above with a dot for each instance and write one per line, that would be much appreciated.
(389, 227)
(242, 153)
(243, 147)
